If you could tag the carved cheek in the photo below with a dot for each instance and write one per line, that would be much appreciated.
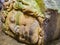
(33, 35)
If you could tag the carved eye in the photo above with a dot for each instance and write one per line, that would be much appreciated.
(12, 19)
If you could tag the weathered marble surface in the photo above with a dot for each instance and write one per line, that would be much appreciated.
(52, 4)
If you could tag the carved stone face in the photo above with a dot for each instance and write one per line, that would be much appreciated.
(27, 27)
(21, 21)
